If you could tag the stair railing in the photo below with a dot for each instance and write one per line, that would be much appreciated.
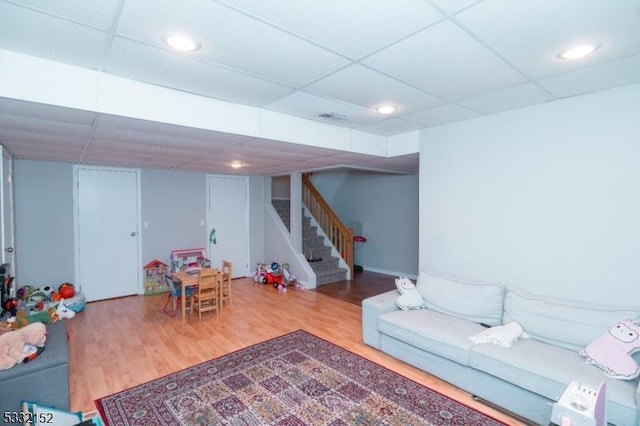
(340, 236)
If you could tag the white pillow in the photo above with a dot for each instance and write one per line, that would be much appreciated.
(409, 297)
(464, 298)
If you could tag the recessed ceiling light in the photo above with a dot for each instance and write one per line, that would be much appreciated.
(386, 109)
(236, 164)
(181, 43)
(578, 51)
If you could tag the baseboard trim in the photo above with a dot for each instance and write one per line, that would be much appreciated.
(387, 272)
(503, 410)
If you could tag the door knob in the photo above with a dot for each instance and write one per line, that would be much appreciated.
(9, 249)
(133, 234)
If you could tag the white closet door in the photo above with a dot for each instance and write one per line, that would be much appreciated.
(7, 252)
(107, 234)
(227, 213)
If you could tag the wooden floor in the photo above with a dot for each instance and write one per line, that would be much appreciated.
(363, 285)
(119, 343)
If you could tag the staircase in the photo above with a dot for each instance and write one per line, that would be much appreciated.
(317, 254)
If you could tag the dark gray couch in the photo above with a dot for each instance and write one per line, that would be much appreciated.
(44, 380)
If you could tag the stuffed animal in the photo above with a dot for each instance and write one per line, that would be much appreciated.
(63, 311)
(409, 297)
(612, 351)
(12, 344)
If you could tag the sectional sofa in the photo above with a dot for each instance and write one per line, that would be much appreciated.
(525, 378)
(44, 380)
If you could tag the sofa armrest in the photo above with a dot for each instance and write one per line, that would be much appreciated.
(372, 308)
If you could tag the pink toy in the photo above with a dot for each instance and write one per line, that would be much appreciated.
(612, 351)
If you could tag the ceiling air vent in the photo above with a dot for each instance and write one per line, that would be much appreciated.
(332, 116)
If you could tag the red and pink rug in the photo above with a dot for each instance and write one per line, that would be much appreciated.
(296, 379)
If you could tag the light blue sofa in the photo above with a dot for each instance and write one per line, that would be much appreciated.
(526, 378)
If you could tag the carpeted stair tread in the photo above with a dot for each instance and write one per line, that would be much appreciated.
(327, 269)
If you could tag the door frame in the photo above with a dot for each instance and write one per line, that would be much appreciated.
(76, 220)
(245, 270)
(7, 220)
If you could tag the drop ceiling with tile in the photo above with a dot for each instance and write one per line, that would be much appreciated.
(324, 65)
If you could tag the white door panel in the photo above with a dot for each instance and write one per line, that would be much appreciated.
(108, 240)
(6, 214)
(227, 214)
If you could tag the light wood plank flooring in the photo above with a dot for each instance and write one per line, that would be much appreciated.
(119, 343)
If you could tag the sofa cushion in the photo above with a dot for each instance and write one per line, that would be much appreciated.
(547, 370)
(431, 331)
(566, 323)
(462, 297)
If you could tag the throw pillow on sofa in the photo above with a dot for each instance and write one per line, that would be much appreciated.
(612, 350)
(409, 297)
(462, 297)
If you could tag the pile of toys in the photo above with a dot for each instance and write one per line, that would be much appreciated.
(276, 274)
(33, 304)
(23, 334)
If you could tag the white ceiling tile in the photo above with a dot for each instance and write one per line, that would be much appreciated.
(485, 56)
(18, 138)
(390, 127)
(442, 115)
(598, 77)
(531, 33)
(257, 48)
(366, 88)
(45, 127)
(163, 68)
(61, 151)
(511, 98)
(439, 60)
(454, 5)
(32, 110)
(310, 106)
(98, 14)
(50, 38)
(333, 23)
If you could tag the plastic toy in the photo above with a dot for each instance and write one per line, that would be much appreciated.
(45, 317)
(66, 290)
(12, 344)
(288, 277)
(273, 275)
(76, 303)
(64, 312)
(261, 273)
(47, 290)
(10, 305)
(24, 292)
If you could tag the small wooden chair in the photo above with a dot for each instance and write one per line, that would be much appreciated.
(225, 288)
(174, 295)
(206, 297)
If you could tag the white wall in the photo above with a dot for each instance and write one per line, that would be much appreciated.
(173, 205)
(387, 207)
(546, 198)
(44, 223)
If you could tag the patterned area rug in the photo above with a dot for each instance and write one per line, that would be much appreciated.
(296, 379)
